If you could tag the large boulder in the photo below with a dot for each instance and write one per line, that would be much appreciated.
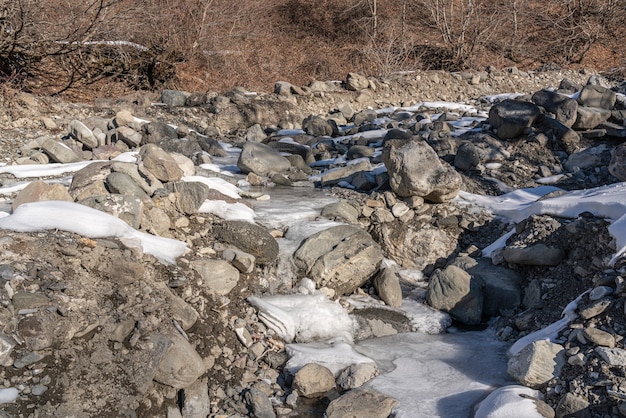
(341, 258)
(415, 170)
(564, 108)
(617, 166)
(261, 159)
(510, 118)
(455, 291)
(317, 126)
(537, 363)
(361, 403)
(160, 163)
(181, 364)
(597, 96)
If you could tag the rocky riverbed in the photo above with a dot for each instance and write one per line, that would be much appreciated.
(140, 291)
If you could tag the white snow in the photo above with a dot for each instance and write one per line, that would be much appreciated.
(304, 318)
(8, 395)
(509, 402)
(216, 183)
(335, 355)
(43, 170)
(228, 211)
(91, 223)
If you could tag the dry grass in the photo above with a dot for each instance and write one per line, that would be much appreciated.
(201, 45)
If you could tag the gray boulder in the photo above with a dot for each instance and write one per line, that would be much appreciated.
(317, 126)
(250, 238)
(161, 164)
(90, 181)
(341, 210)
(455, 291)
(341, 258)
(219, 276)
(617, 166)
(59, 152)
(181, 364)
(590, 117)
(174, 98)
(313, 380)
(597, 96)
(361, 403)
(510, 118)
(80, 132)
(356, 82)
(537, 363)
(129, 136)
(534, 255)
(564, 108)
(387, 285)
(189, 195)
(155, 132)
(127, 208)
(415, 170)
(261, 159)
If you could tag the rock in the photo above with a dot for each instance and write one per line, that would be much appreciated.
(82, 134)
(615, 357)
(139, 175)
(535, 255)
(356, 375)
(387, 285)
(591, 157)
(89, 181)
(359, 403)
(468, 156)
(174, 98)
(510, 118)
(415, 170)
(597, 96)
(317, 126)
(341, 210)
(197, 403)
(36, 332)
(501, 286)
(123, 184)
(189, 195)
(181, 364)
(6, 348)
(196, 99)
(454, 291)
(341, 258)
(129, 136)
(617, 165)
(599, 337)
(161, 164)
(39, 190)
(537, 363)
(261, 159)
(250, 238)
(155, 132)
(564, 108)
(313, 381)
(259, 403)
(595, 308)
(359, 151)
(338, 174)
(219, 276)
(255, 133)
(243, 261)
(356, 82)
(590, 117)
(59, 152)
(126, 207)
(567, 137)
(573, 406)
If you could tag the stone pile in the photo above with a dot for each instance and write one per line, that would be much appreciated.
(182, 340)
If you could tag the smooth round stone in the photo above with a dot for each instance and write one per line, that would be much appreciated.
(38, 390)
(600, 292)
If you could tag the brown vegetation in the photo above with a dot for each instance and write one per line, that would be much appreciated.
(57, 46)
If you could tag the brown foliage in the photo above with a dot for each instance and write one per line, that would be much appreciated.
(63, 45)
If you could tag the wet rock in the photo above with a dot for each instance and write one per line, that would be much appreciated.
(313, 381)
(361, 403)
(510, 118)
(415, 170)
(341, 258)
(597, 96)
(250, 238)
(261, 159)
(564, 108)
(534, 255)
(161, 164)
(453, 290)
(82, 134)
(59, 152)
(38, 190)
(181, 364)
(537, 363)
(574, 406)
(219, 276)
(387, 285)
